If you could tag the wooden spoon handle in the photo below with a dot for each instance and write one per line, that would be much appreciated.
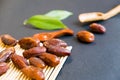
(112, 12)
(92, 16)
(62, 32)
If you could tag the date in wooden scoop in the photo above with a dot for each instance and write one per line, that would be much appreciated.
(95, 16)
(49, 35)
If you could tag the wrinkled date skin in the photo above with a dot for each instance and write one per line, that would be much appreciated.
(3, 68)
(8, 40)
(28, 42)
(19, 61)
(37, 62)
(85, 36)
(59, 51)
(33, 72)
(35, 51)
(97, 28)
(50, 59)
(57, 47)
(55, 42)
(5, 54)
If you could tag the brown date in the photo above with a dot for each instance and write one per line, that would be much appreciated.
(50, 59)
(85, 36)
(28, 42)
(59, 51)
(33, 72)
(3, 68)
(37, 62)
(5, 54)
(35, 51)
(8, 40)
(97, 28)
(55, 42)
(19, 61)
(57, 47)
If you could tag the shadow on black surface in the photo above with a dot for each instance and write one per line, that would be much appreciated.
(30, 26)
(86, 23)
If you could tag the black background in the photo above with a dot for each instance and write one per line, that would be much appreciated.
(99, 60)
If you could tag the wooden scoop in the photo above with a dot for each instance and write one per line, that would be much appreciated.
(95, 16)
(49, 35)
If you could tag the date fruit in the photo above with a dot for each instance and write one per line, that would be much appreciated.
(8, 40)
(3, 68)
(57, 47)
(19, 61)
(50, 59)
(28, 42)
(5, 54)
(37, 62)
(35, 51)
(59, 51)
(33, 72)
(97, 28)
(85, 36)
(55, 42)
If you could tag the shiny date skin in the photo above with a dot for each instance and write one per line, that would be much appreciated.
(35, 51)
(55, 42)
(28, 42)
(85, 36)
(33, 72)
(3, 68)
(8, 40)
(50, 59)
(97, 28)
(57, 47)
(37, 62)
(5, 54)
(30, 71)
(19, 61)
(59, 51)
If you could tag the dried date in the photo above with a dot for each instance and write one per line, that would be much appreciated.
(85, 36)
(3, 68)
(8, 40)
(97, 28)
(28, 42)
(50, 59)
(55, 42)
(33, 72)
(57, 47)
(19, 61)
(59, 51)
(35, 51)
(37, 62)
(5, 54)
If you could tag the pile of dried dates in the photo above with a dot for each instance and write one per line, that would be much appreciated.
(40, 50)
(35, 56)
(88, 36)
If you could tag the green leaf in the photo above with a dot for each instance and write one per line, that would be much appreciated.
(44, 22)
(59, 14)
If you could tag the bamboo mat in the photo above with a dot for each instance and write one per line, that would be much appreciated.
(15, 74)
